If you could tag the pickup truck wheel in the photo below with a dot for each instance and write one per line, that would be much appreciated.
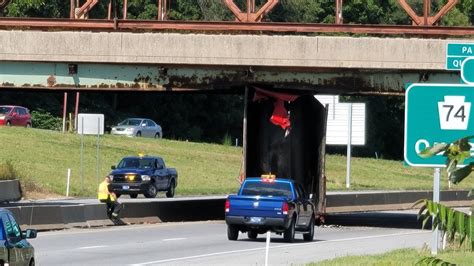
(151, 193)
(139, 134)
(133, 196)
(232, 232)
(252, 234)
(289, 234)
(310, 235)
(170, 192)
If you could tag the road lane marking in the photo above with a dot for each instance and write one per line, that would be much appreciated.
(198, 256)
(120, 228)
(174, 239)
(92, 247)
(275, 247)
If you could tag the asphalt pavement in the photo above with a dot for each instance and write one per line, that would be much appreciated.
(205, 243)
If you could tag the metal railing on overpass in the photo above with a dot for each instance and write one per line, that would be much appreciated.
(229, 27)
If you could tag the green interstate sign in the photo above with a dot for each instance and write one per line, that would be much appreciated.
(456, 53)
(436, 113)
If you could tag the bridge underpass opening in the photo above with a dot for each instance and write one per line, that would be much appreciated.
(297, 148)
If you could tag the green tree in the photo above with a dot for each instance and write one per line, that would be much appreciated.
(453, 223)
(38, 8)
(185, 10)
(304, 11)
(214, 10)
(142, 9)
(363, 12)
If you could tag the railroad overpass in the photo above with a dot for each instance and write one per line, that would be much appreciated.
(160, 61)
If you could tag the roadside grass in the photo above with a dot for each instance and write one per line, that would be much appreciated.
(401, 257)
(41, 159)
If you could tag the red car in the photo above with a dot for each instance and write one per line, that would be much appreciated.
(14, 116)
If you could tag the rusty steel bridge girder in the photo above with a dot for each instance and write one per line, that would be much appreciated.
(230, 27)
(165, 78)
(427, 19)
(82, 11)
(339, 17)
(251, 15)
(4, 3)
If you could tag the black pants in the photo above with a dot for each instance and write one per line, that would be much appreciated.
(113, 208)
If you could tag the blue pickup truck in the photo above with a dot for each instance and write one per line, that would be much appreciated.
(143, 175)
(270, 204)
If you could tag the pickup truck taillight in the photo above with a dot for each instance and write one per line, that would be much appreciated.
(285, 208)
(227, 205)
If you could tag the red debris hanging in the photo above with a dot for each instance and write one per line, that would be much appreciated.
(280, 116)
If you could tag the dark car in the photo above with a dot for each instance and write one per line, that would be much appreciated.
(11, 115)
(14, 248)
(143, 175)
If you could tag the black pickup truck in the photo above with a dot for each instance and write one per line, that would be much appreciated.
(143, 175)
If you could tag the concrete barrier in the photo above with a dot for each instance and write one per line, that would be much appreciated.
(10, 190)
(393, 200)
(52, 216)
(379, 219)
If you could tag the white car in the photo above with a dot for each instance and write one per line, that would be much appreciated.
(138, 127)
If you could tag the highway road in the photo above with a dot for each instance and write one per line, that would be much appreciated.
(205, 243)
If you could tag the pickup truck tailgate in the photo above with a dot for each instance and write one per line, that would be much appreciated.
(256, 206)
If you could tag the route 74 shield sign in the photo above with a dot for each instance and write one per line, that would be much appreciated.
(436, 113)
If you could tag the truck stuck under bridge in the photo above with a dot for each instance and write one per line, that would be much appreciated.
(286, 137)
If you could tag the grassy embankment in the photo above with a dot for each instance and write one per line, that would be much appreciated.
(401, 257)
(41, 159)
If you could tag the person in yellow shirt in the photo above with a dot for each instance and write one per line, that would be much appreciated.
(109, 198)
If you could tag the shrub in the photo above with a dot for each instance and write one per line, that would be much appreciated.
(45, 120)
(7, 171)
(227, 140)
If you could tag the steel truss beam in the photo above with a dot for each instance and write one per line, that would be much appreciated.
(251, 15)
(427, 19)
(235, 27)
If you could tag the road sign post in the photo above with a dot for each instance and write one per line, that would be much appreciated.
(435, 236)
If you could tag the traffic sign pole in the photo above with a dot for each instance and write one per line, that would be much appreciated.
(349, 146)
(435, 236)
